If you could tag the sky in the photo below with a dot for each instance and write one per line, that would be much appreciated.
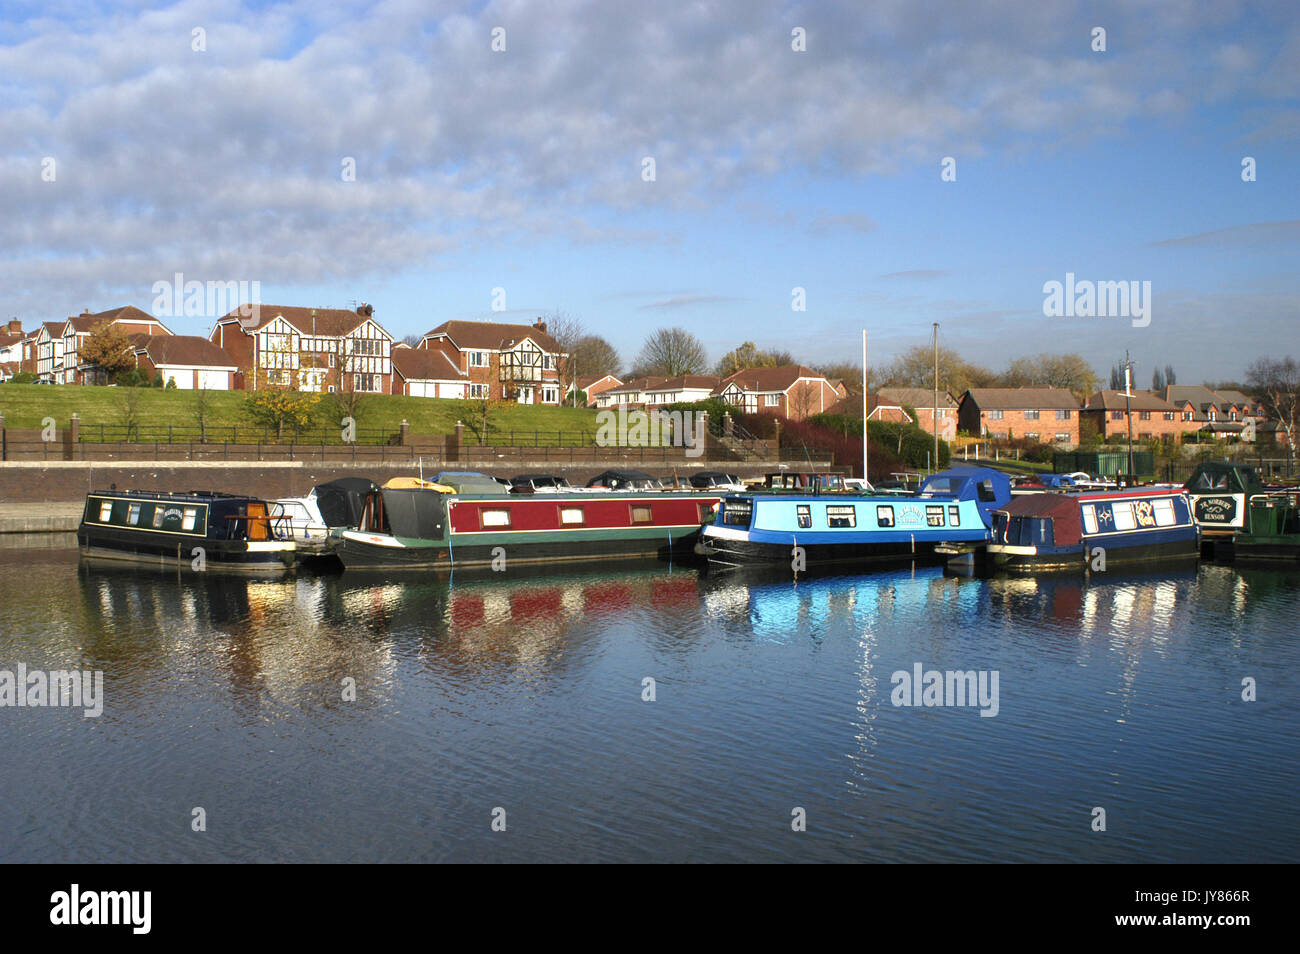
(387, 153)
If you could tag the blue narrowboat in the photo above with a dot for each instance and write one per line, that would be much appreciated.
(1054, 531)
(762, 527)
(204, 529)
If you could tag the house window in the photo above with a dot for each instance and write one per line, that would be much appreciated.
(1169, 415)
(1117, 415)
(478, 390)
(803, 514)
(494, 518)
(771, 400)
(1063, 414)
(550, 395)
(841, 516)
(1062, 436)
(572, 516)
(548, 362)
(884, 516)
(188, 518)
(641, 513)
(995, 415)
(954, 515)
(1031, 415)
(1033, 435)
(106, 511)
(478, 359)
(1144, 415)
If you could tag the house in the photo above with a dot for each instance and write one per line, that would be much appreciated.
(48, 348)
(11, 343)
(1108, 413)
(878, 408)
(928, 416)
(77, 329)
(187, 362)
(1050, 415)
(310, 349)
(511, 362)
(428, 373)
(629, 394)
(593, 386)
(791, 391)
(1227, 413)
(682, 389)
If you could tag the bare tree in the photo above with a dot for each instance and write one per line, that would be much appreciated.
(413, 340)
(670, 352)
(593, 356)
(1275, 382)
(567, 330)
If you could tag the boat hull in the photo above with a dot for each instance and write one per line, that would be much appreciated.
(361, 550)
(738, 551)
(1018, 558)
(235, 556)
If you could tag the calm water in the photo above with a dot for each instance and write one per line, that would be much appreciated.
(525, 693)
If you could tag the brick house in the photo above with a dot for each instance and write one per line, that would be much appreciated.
(1219, 413)
(791, 391)
(427, 372)
(11, 343)
(311, 349)
(630, 393)
(509, 362)
(77, 329)
(593, 386)
(190, 362)
(1153, 417)
(1050, 415)
(928, 417)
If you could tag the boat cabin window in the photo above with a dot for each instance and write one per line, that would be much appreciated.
(494, 517)
(803, 513)
(1123, 514)
(954, 515)
(934, 516)
(1040, 531)
(839, 516)
(1210, 481)
(1164, 511)
(572, 516)
(191, 514)
(986, 492)
(133, 514)
(641, 514)
(106, 511)
(706, 512)
(159, 511)
(884, 516)
(1089, 518)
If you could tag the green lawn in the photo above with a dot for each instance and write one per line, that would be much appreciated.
(26, 405)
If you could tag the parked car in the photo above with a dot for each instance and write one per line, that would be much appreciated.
(538, 484)
(716, 480)
(633, 480)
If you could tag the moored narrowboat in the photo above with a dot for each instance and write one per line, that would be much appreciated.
(200, 529)
(765, 528)
(1057, 531)
(1272, 528)
(447, 527)
(1220, 492)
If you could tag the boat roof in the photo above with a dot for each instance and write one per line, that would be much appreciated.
(1063, 509)
(1242, 477)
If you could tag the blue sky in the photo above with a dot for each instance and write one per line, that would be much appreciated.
(775, 168)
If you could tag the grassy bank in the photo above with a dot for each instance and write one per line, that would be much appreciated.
(26, 405)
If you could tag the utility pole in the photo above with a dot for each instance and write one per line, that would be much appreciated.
(1128, 410)
(934, 410)
(864, 405)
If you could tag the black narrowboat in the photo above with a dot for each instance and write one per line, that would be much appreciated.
(203, 530)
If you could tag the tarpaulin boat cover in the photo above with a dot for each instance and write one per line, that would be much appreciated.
(414, 513)
(1063, 510)
(340, 501)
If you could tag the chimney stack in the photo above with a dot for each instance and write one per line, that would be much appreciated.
(540, 325)
(15, 326)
